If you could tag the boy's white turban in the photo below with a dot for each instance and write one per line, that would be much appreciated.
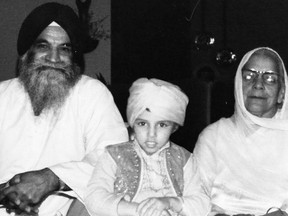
(161, 98)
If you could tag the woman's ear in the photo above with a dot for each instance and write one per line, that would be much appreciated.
(281, 95)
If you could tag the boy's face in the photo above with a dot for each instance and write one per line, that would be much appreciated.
(152, 132)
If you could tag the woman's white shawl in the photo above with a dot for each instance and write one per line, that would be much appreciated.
(243, 160)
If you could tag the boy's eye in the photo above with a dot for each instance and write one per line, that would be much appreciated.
(141, 123)
(163, 124)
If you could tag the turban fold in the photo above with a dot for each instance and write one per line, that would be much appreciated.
(160, 97)
(41, 17)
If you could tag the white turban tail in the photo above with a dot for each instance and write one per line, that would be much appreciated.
(162, 98)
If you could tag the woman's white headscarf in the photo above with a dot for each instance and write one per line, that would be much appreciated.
(243, 160)
(249, 121)
(160, 97)
(253, 155)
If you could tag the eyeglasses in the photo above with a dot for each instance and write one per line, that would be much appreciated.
(269, 77)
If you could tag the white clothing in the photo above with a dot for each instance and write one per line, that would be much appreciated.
(243, 159)
(69, 145)
(101, 185)
(155, 181)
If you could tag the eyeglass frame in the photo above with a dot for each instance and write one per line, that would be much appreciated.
(258, 72)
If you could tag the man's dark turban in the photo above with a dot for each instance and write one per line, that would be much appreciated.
(41, 17)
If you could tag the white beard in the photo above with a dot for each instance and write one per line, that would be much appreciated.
(47, 85)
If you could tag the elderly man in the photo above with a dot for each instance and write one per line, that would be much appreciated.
(54, 121)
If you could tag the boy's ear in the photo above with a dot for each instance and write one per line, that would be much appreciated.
(176, 126)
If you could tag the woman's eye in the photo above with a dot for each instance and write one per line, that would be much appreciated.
(248, 76)
(270, 78)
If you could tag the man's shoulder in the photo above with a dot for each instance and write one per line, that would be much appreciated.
(10, 85)
(9, 81)
(85, 81)
(89, 85)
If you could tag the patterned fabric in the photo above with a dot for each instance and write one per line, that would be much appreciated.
(155, 177)
(129, 167)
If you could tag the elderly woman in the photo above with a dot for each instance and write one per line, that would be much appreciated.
(243, 160)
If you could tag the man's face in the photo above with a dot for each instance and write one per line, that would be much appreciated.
(262, 89)
(53, 46)
(47, 70)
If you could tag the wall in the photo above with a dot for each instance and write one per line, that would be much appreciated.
(12, 15)
(155, 38)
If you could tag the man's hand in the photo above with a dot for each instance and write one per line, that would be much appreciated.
(26, 191)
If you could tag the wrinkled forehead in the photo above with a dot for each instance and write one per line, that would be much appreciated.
(264, 61)
(54, 34)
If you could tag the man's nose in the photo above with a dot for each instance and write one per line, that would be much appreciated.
(53, 55)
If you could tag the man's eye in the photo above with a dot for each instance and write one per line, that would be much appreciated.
(41, 46)
(66, 49)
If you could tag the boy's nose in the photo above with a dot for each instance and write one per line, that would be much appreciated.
(152, 132)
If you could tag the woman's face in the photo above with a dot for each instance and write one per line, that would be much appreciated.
(261, 85)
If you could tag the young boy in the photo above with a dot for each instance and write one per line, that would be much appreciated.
(149, 175)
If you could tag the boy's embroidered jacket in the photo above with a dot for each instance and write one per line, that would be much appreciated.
(129, 167)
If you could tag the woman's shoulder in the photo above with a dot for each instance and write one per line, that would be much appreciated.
(219, 126)
(212, 133)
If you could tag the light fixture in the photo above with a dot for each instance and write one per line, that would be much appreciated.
(204, 40)
(225, 56)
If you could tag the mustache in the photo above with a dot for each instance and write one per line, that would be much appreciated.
(56, 67)
(49, 67)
